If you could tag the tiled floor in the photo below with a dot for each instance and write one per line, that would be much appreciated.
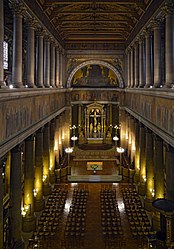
(93, 235)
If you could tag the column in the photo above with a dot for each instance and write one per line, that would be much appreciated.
(141, 62)
(52, 67)
(47, 62)
(158, 176)
(1, 43)
(16, 197)
(39, 58)
(46, 160)
(129, 68)
(57, 66)
(148, 43)
(169, 46)
(132, 67)
(169, 173)
(149, 171)
(38, 175)
(137, 152)
(136, 64)
(157, 54)
(52, 154)
(30, 53)
(142, 160)
(29, 219)
(17, 48)
(1, 204)
(60, 69)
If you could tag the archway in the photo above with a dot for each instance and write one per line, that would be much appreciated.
(96, 62)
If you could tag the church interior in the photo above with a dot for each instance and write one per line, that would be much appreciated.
(87, 124)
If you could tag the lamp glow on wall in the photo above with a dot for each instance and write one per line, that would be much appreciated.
(120, 150)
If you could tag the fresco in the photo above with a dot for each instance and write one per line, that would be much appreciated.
(94, 76)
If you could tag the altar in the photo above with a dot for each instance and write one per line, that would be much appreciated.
(91, 140)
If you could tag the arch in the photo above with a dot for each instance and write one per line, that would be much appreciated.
(96, 62)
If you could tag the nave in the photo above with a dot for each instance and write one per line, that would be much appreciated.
(92, 216)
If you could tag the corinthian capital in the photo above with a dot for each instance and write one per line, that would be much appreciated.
(17, 7)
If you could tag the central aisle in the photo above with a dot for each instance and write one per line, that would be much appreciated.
(93, 237)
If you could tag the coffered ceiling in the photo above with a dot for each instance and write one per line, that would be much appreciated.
(89, 21)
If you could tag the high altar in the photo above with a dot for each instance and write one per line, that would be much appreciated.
(95, 128)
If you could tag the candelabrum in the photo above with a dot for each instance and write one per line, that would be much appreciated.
(69, 150)
(120, 150)
(115, 138)
(74, 139)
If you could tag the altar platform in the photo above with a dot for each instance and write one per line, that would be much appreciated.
(95, 178)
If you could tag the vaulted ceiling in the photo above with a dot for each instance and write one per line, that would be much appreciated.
(92, 20)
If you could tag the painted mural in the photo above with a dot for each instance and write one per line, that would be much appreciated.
(94, 76)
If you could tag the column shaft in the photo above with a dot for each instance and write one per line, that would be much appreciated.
(157, 56)
(1, 43)
(132, 67)
(60, 69)
(169, 173)
(17, 50)
(16, 196)
(46, 160)
(129, 68)
(141, 63)
(39, 66)
(28, 224)
(136, 64)
(52, 154)
(137, 152)
(47, 63)
(149, 171)
(169, 50)
(148, 60)
(57, 67)
(30, 55)
(38, 183)
(142, 160)
(52, 68)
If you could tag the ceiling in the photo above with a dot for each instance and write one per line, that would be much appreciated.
(89, 21)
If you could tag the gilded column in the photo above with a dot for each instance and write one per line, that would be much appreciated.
(132, 66)
(30, 53)
(158, 176)
(46, 160)
(16, 197)
(57, 66)
(169, 173)
(38, 174)
(141, 61)
(29, 219)
(142, 160)
(17, 45)
(157, 54)
(1, 43)
(149, 171)
(53, 65)
(39, 58)
(136, 63)
(47, 62)
(52, 154)
(148, 43)
(169, 45)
